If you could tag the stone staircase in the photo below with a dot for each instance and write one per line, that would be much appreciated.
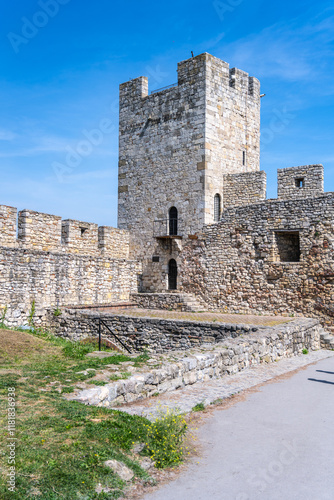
(326, 340)
(193, 304)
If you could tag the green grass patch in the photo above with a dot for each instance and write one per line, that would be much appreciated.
(62, 445)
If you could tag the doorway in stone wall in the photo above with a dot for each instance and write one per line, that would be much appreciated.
(172, 274)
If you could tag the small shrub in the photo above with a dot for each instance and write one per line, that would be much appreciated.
(199, 407)
(164, 442)
(305, 351)
(57, 312)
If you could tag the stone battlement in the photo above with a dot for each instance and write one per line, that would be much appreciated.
(196, 72)
(32, 230)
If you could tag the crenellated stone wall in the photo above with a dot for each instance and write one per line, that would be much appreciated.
(52, 263)
(49, 233)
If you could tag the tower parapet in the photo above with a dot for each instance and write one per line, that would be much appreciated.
(300, 182)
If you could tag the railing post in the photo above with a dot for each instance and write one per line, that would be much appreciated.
(99, 334)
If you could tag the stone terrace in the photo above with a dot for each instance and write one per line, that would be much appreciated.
(205, 316)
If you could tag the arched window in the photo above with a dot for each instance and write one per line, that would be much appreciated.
(173, 221)
(172, 274)
(216, 208)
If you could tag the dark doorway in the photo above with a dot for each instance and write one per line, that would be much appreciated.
(173, 221)
(172, 275)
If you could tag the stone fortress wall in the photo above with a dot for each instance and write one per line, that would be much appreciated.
(55, 263)
(274, 256)
(181, 147)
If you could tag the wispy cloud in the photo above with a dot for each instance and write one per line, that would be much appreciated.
(6, 135)
(294, 51)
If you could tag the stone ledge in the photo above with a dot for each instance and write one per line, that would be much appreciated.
(229, 357)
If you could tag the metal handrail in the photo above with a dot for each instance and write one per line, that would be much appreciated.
(167, 227)
(102, 322)
(164, 88)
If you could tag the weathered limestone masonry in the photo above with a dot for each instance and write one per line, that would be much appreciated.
(175, 147)
(229, 357)
(195, 147)
(300, 182)
(57, 263)
(252, 185)
(153, 334)
(275, 256)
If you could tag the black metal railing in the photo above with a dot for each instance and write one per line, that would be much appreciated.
(164, 88)
(167, 227)
(102, 322)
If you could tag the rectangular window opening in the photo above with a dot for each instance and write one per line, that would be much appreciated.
(83, 230)
(288, 246)
(155, 258)
(244, 157)
(299, 182)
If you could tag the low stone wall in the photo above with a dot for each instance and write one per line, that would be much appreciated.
(151, 334)
(233, 355)
(163, 335)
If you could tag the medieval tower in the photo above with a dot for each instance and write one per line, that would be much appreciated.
(176, 147)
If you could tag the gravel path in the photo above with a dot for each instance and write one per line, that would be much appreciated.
(275, 443)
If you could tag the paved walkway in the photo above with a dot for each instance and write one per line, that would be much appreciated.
(273, 444)
(185, 399)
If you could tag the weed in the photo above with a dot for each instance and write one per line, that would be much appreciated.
(32, 314)
(305, 351)
(97, 382)
(164, 439)
(199, 407)
(3, 317)
(57, 312)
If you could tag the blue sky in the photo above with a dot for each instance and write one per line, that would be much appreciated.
(59, 81)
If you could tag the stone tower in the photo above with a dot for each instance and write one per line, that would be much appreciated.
(175, 147)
